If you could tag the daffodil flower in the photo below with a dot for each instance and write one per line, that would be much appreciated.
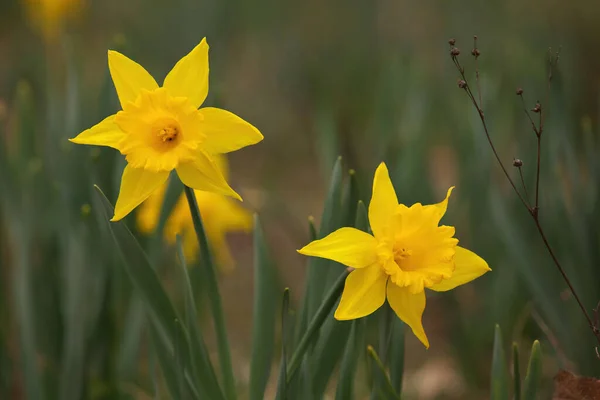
(220, 216)
(407, 253)
(161, 129)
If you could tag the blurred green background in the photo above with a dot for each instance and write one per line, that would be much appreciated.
(367, 80)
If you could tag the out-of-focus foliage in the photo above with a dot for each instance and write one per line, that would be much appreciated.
(371, 81)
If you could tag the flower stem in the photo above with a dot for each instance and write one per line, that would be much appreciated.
(214, 297)
(315, 324)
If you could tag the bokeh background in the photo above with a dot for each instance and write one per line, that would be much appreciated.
(367, 80)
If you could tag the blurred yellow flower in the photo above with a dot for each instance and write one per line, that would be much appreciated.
(50, 15)
(407, 253)
(161, 129)
(220, 215)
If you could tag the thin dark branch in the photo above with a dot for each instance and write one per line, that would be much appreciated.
(487, 134)
(524, 185)
(552, 62)
(534, 212)
(566, 278)
(476, 55)
(535, 129)
(537, 178)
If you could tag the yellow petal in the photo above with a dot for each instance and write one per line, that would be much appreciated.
(438, 210)
(189, 77)
(468, 266)
(349, 246)
(226, 132)
(409, 308)
(364, 292)
(203, 174)
(129, 77)
(222, 164)
(105, 133)
(383, 201)
(137, 184)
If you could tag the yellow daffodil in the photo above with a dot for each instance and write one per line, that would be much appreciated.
(161, 129)
(50, 15)
(407, 253)
(220, 215)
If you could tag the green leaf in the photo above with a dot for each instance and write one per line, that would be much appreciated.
(170, 366)
(302, 319)
(328, 352)
(534, 373)
(134, 323)
(144, 278)
(499, 385)
(282, 384)
(25, 314)
(350, 199)
(142, 275)
(384, 316)
(200, 359)
(180, 349)
(386, 391)
(214, 297)
(516, 373)
(83, 286)
(334, 334)
(312, 230)
(397, 354)
(319, 269)
(313, 328)
(362, 217)
(265, 309)
(345, 386)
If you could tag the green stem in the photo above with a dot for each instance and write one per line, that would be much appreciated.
(315, 324)
(214, 297)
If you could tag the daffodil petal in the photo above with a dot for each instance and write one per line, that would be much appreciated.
(349, 246)
(222, 164)
(409, 308)
(137, 184)
(383, 201)
(105, 133)
(129, 77)
(364, 292)
(438, 210)
(189, 77)
(203, 174)
(226, 132)
(468, 266)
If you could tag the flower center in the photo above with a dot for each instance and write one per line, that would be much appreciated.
(166, 133)
(401, 255)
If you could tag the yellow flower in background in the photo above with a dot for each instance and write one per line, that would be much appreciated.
(50, 15)
(161, 129)
(407, 253)
(220, 216)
